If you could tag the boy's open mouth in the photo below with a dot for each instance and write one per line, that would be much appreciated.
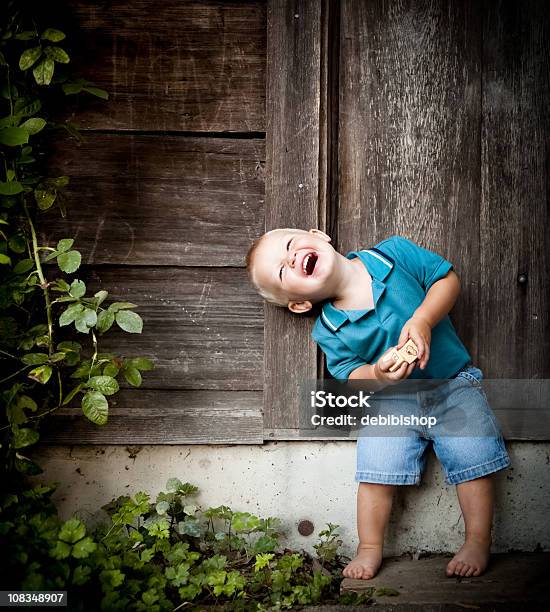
(308, 264)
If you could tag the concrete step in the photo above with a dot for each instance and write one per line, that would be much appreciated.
(513, 581)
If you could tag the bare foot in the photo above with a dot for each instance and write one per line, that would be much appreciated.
(471, 559)
(366, 564)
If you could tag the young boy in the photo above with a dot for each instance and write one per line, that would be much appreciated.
(375, 300)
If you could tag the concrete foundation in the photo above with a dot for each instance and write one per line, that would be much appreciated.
(304, 480)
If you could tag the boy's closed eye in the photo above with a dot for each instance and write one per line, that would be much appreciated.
(281, 270)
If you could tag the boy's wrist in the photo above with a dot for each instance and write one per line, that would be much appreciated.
(422, 317)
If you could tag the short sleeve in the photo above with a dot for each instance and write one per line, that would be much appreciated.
(425, 265)
(341, 361)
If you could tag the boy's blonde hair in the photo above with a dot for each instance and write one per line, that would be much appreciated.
(267, 295)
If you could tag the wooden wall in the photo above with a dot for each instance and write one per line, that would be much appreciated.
(166, 194)
(367, 118)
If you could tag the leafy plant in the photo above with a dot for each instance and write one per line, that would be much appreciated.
(162, 554)
(43, 366)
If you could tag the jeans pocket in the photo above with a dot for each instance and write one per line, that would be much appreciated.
(473, 375)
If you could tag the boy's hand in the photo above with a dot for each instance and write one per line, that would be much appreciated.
(382, 366)
(420, 331)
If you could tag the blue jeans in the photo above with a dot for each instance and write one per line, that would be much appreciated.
(466, 437)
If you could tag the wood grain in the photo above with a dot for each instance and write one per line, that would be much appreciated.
(170, 65)
(409, 152)
(164, 417)
(292, 187)
(147, 200)
(203, 327)
(514, 317)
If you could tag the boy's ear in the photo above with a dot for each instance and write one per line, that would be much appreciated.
(300, 307)
(320, 234)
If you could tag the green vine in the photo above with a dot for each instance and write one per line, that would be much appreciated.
(43, 365)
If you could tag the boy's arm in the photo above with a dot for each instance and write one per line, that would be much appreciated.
(439, 300)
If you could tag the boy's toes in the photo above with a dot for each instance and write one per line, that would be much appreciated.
(458, 568)
(451, 567)
(469, 572)
(356, 572)
(464, 570)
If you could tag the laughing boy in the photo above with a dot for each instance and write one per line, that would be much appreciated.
(373, 301)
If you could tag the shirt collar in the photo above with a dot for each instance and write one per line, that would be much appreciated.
(379, 265)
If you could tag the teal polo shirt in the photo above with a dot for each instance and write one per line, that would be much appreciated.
(402, 273)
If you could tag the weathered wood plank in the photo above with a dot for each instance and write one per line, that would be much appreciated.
(203, 327)
(408, 158)
(151, 200)
(515, 316)
(165, 417)
(292, 187)
(170, 65)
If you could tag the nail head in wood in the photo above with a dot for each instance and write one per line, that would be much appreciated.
(522, 278)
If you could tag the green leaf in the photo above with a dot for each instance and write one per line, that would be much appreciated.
(44, 198)
(84, 548)
(34, 358)
(41, 374)
(129, 321)
(141, 363)
(104, 321)
(85, 320)
(24, 402)
(25, 466)
(110, 370)
(52, 35)
(24, 437)
(60, 285)
(190, 527)
(70, 314)
(17, 243)
(10, 189)
(33, 125)
(101, 296)
(106, 384)
(25, 35)
(13, 136)
(78, 288)
(72, 88)
(69, 346)
(61, 550)
(96, 91)
(65, 244)
(29, 57)
(72, 393)
(57, 182)
(23, 266)
(81, 574)
(69, 262)
(133, 376)
(95, 407)
(162, 507)
(174, 484)
(72, 531)
(24, 108)
(43, 73)
(262, 560)
(116, 306)
(57, 54)
(4, 259)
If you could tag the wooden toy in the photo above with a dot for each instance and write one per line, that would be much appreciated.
(408, 352)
